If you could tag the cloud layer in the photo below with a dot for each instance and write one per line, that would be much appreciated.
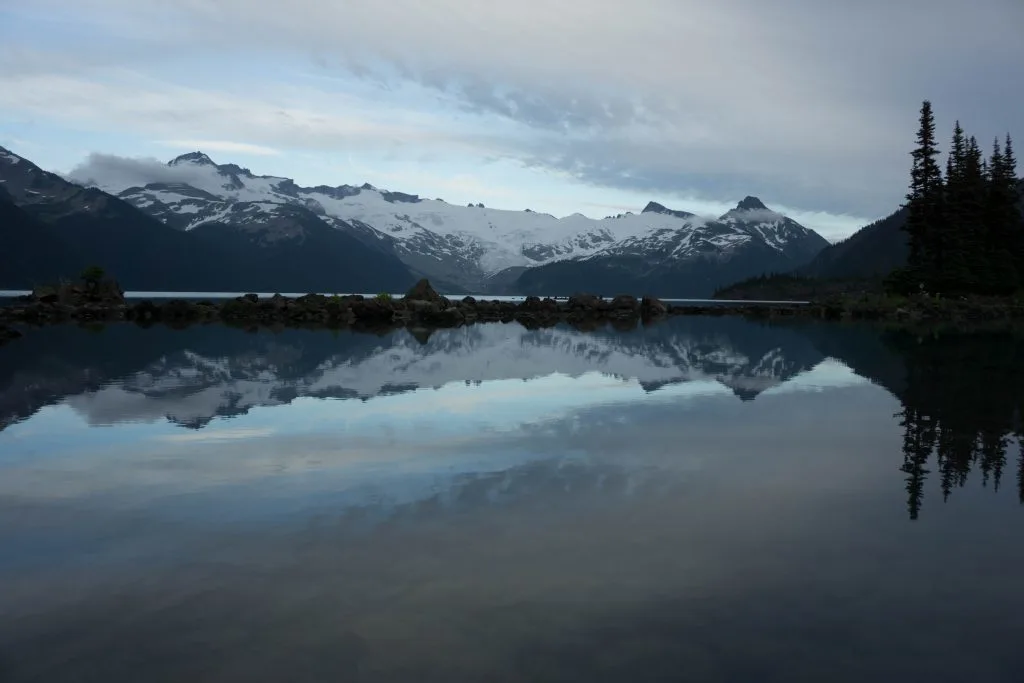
(807, 105)
(114, 174)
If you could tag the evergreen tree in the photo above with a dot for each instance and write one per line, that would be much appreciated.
(924, 207)
(965, 233)
(1009, 160)
(957, 240)
(1002, 236)
(1015, 221)
(975, 228)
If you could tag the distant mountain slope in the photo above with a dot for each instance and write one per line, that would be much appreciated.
(31, 252)
(873, 251)
(690, 260)
(471, 248)
(284, 250)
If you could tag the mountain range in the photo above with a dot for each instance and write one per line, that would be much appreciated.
(219, 226)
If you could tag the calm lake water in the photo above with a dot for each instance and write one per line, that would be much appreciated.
(6, 294)
(704, 499)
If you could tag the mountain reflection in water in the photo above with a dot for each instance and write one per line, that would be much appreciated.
(701, 499)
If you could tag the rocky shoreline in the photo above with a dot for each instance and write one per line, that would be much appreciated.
(423, 307)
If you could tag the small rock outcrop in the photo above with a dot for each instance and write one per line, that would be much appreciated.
(651, 307)
(584, 302)
(97, 293)
(625, 302)
(423, 291)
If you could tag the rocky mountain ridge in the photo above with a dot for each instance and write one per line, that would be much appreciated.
(472, 247)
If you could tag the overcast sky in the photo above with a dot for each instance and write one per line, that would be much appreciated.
(594, 106)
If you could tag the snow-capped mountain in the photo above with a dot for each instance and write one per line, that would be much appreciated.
(187, 240)
(690, 259)
(464, 247)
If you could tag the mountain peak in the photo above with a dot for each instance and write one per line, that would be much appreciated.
(196, 157)
(749, 203)
(655, 207)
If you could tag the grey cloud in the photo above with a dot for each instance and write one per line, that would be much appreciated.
(860, 190)
(813, 104)
(114, 173)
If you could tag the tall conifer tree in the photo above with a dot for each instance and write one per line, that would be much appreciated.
(955, 231)
(924, 204)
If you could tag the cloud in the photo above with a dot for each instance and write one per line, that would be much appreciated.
(114, 173)
(807, 106)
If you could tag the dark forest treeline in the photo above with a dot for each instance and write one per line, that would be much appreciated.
(964, 229)
(961, 232)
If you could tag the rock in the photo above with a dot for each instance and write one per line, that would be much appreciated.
(469, 302)
(651, 307)
(250, 298)
(106, 292)
(417, 306)
(585, 301)
(374, 310)
(422, 291)
(45, 295)
(312, 301)
(534, 304)
(94, 299)
(625, 302)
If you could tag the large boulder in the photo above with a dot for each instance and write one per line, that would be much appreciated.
(625, 302)
(106, 292)
(585, 302)
(373, 310)
(651, 307)
(423, 291)
(535, 304)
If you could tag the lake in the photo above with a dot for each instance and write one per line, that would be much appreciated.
(7, 294)
(705, 499)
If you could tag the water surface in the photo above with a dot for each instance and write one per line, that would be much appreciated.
(199, 296)
(703, 499)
